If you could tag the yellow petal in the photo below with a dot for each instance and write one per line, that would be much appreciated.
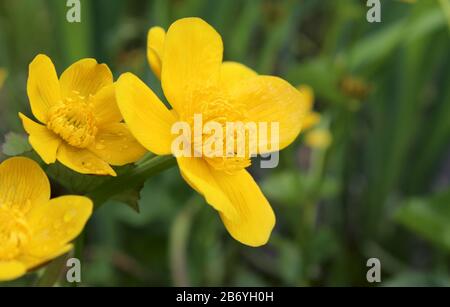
(232, 73)
(271, 99)
(23, 183)
(116, 145)
(308, 94)
(85, 77)
(191, 62)
(155, 47)
(10, 270)
(32, 261)
(56, 223)
(311, 119)
(83, 161)
(146, 116)
(199, 176)
(105, 106)
(44, 142)
(42, 87)
(256, 219)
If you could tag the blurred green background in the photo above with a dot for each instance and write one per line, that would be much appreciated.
(380, 190)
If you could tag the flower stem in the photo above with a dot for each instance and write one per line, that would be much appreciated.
(52, 272)
(131, 179)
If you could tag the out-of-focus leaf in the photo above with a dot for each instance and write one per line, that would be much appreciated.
(289, 261)
(429, 218)
(381, 44)
(15, 144)
(284, 187)
(418, 279)
(323, 74)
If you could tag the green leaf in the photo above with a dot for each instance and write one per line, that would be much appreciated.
(72, 181)
(130, 198)
(285, 187)
(15, 144)
(429, 218)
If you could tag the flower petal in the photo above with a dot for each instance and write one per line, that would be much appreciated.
(85, 77)
(232, 73)
(199, 176)
(42, 86)
(83, 161)
(32, 261)
(192, 58)
(271, 99)
(155, 47)
(56, 223)
(146, 116)
(44, 142)
(10, 270)
(105, 106)
(255, 216)
(116, 145)
(23, 183)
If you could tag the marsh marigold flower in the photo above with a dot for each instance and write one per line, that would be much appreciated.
(195, 81)
(34, 228)
(82, 126)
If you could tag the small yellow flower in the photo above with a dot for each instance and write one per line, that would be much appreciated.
(195, 81)
(311, 118)
(2, 77)
(34, 228)
(155, 47)
(318, 138)
(82, 124)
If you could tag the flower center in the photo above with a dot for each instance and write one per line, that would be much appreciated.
(14, 233)
(74, 121)
(222, 112)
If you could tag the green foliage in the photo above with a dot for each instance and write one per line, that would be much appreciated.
(372, 193)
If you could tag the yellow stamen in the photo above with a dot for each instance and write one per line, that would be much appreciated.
(73, 121)
(14, 233)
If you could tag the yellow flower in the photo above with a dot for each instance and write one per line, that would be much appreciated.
(82, 124)
(195, 81)
(318, 138)
(34, 228)
(155, 47)
(311, 118)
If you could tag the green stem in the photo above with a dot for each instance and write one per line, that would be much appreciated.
(179, 235)
(131, 179)
(52, 272)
